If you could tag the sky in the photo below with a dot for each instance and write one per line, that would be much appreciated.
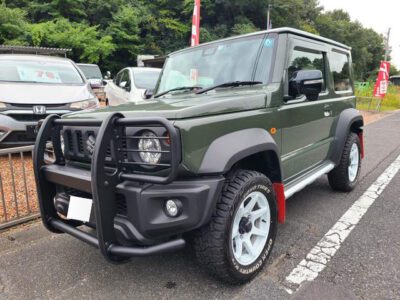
(378, 15)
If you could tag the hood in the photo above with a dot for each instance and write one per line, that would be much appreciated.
(34, 93)
(186, 106)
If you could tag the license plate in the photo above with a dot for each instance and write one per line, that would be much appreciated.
(79, 209)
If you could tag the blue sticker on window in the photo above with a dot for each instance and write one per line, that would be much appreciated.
(269, 43)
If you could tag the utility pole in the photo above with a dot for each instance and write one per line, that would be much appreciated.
(387, 45)
(269, 16)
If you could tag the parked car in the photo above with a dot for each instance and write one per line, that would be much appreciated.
(93, 74)
(236, 127)
(130, 84)
(33, 87)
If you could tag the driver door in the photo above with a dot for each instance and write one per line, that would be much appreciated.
(306, 136)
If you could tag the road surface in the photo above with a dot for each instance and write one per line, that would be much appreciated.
(37, 264)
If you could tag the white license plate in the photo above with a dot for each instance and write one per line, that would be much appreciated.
(79, 209)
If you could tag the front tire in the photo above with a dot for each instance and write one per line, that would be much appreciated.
(237, 242)
(345, 176)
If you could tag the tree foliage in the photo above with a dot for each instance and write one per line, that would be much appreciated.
(114, 32)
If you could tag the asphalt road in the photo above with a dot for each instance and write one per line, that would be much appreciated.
(37, 264)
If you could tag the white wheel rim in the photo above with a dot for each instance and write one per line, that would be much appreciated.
(248, 241)
(354, 162)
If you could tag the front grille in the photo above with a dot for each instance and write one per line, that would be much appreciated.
(27, 117)
(121, 206)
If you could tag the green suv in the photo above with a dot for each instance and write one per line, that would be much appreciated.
(233, 129)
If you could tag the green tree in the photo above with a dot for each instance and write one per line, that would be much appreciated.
(12, 25)
(86, 41)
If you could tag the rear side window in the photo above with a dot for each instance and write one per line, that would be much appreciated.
(340, 67)
(304, 60)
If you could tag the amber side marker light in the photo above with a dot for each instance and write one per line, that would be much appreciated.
(273, 130)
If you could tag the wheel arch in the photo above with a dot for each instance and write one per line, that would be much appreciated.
(244, 149)
(350, 120)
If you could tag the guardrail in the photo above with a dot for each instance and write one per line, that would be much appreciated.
(18, 197)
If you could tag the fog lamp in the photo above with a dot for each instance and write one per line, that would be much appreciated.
(173, 208)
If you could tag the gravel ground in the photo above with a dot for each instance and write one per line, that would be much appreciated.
(21, 201)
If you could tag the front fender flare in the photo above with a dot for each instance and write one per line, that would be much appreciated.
(229, 149)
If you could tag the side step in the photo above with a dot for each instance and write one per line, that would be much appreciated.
(308, 178)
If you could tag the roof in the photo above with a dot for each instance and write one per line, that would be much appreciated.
(33, 57)
(280, 31)
(91, 65)
(33, 50)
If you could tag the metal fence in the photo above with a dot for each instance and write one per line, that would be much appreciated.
(18, 198)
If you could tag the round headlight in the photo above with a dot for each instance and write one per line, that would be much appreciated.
(150, 148)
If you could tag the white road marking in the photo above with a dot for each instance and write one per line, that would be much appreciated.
(317, 259)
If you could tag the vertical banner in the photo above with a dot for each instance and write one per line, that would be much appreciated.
(196, 24)
(382, 81)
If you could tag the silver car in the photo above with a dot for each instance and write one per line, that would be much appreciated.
(31, 88)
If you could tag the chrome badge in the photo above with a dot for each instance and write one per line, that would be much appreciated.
(39, 110)
(90, 143)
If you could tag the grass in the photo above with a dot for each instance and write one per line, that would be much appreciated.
(389, 103)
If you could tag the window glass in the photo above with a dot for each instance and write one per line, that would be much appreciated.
(91, 72)
(39, 71)
(146, 79)
(340, 68)
(302, 60)
(215, 63)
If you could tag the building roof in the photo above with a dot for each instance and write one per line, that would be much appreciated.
(33, 50)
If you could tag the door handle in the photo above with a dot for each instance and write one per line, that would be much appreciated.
(327, 110)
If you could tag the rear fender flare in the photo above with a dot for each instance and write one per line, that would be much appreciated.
(349, 119)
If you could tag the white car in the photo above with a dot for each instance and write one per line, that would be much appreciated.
(33, 87)
(130, 84)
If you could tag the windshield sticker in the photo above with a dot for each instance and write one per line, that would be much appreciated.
(194, 75)
(269, 43)
(38, 75)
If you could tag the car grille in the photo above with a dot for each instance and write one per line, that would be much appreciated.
(27, 117)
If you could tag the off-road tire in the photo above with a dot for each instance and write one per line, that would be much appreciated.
(339, 177)
(212, 243)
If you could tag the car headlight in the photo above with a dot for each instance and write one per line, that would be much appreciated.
(150, 148)
(87, 104)
(2, 105)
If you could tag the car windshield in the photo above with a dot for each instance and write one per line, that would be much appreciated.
(232, 60)
(146, 79)
(91, 72)
(39, 71)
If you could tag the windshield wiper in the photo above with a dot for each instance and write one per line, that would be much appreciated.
(182, 88)
(229, 84)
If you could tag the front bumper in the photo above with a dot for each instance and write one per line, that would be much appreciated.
(19, 132)
(128, 213)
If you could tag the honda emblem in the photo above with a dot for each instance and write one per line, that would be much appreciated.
(39, 110)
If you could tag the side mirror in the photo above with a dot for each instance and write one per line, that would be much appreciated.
(306, 82)
(148, 94)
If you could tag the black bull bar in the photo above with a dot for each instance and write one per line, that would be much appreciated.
(99, 181)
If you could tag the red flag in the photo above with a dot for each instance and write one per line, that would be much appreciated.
(196, 24)
(382, 81)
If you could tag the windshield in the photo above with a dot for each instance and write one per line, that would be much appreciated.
(39, 71)
(146, 79)
(91, 72)
(219, 63)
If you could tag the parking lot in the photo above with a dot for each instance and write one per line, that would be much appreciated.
(37, 264)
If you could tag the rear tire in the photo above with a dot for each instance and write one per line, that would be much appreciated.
(237, 242)
(345, 176)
